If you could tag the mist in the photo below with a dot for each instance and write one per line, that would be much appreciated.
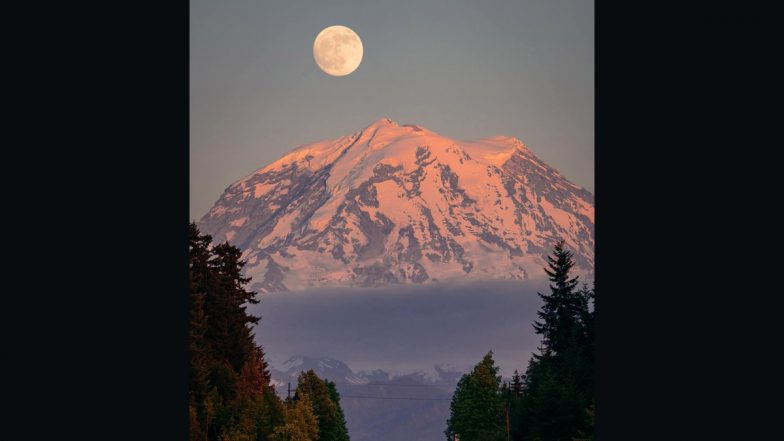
(405, 328)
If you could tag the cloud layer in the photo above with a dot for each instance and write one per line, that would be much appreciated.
(404, 329)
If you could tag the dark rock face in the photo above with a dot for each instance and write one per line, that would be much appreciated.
(385, 207)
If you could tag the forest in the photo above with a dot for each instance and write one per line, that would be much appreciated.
(553, 400)
(232, 398)
(229, 390)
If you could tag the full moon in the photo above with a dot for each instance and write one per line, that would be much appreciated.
(337, 50)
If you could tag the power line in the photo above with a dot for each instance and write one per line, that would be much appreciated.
(387, 384)
(395, 398)
(388, 398)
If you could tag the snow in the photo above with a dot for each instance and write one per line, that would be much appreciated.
(519, 221)
(260, 189)
(239, 222)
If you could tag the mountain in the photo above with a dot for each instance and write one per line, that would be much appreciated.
(394, 204)
(379, 406)
(329, 368)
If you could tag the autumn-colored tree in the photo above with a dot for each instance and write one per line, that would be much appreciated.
(301, 424)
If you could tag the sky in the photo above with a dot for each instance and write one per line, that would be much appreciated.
(404, 329)
(466, 69)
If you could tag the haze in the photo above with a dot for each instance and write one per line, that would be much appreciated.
(404, 329)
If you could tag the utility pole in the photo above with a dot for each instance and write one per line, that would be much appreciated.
(289, 396)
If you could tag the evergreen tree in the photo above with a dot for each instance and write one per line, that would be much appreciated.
(514, 404)
(477, 411)
(254, 376)
(554, 400)
(271, 413)
(199, 355)
(230, 395)
(342, 430)
(325, 402)
(232, 321)
(551, 409)
(557, 390)
(588, 433)
(516, 385)
(558, 314)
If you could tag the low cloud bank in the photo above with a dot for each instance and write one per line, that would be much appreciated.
(404, 329)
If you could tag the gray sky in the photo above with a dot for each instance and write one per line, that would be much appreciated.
(465, 69)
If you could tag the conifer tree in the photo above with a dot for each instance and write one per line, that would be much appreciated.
(199, 353)
(477, 411)
(516, 385)
(515, 400)
(341, 433)
(558, 314)
(551, 410)
(232, 322)
(558, 385)
(332, 426)
(230, 395)
(554, 400)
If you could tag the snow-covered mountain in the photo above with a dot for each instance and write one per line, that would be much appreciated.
(398, 203)
(329, 368)
(337, 371)
(379, 406)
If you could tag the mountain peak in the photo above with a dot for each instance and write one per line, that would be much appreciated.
(382, 122)
(394, 204)
(387, 125)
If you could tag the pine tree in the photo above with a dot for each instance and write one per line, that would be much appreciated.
(342, 431)
(515, 401)
(558, 385)
(477, 411)
(233, 321)
(326, 406)
(551, 409)
(558, 314)
(253, 378)
(271, 414)
(199, 356)
(230, 396)
(516, 385)
(587, 434)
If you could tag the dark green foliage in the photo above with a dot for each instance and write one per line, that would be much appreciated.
(230, 394)
(551, 408)
(325, 400)
(514, 398)
(559, 314)
(478, 409)
(557, 393)
(341, 432)
(554, 400)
